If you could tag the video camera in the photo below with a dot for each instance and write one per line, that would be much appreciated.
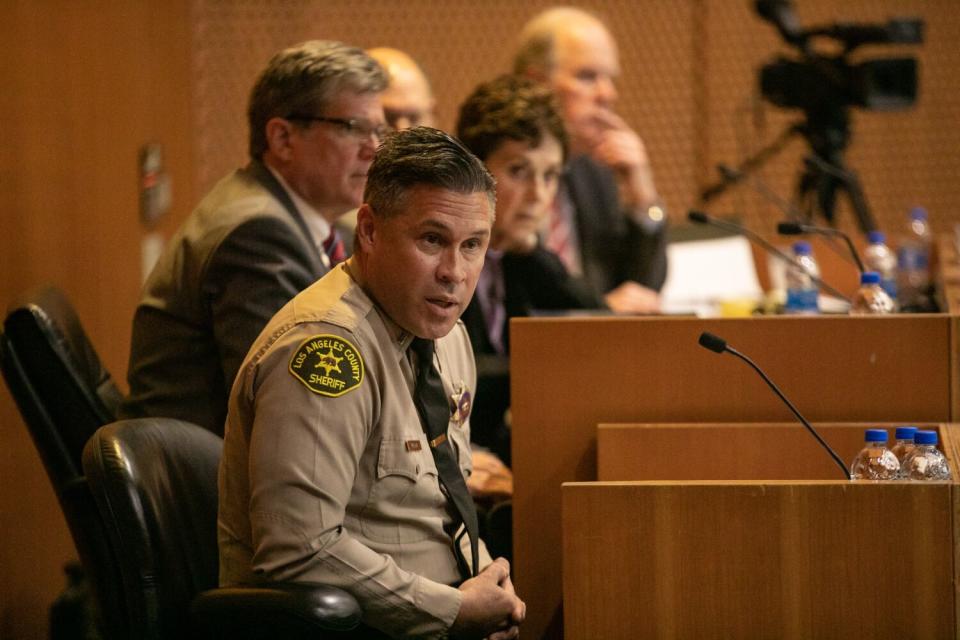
(819, 82)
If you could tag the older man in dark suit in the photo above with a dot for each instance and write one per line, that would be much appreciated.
(262, 234)
(608, 221)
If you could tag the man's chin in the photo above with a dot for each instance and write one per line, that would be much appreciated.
(523, 243)
(585, 143)
(439, 327)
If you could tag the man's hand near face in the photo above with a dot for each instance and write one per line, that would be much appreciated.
(621, 149)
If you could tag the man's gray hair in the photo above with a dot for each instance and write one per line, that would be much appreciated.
(535, 51)
(423, 156)
(303, 79)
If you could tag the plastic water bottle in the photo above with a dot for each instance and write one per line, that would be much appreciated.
(870, 299)
(903, 443)
(926, 462)
(880, 258)
(875, 461)
(913, 261)
(801, 289)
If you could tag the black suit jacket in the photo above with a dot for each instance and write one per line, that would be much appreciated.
(240, 256)
(613, 248)
(533, 282)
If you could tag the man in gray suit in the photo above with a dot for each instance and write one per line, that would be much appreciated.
(608, 223)
(262, 234)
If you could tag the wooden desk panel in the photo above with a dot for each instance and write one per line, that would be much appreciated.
(569, 375)
(738, 451)
(757, 560)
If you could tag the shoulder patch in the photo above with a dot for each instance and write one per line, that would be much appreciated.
(328, 365)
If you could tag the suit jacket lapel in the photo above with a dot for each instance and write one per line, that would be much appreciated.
(259, 172)
(577, 181)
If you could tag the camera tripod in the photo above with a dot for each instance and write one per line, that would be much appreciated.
(824, 176)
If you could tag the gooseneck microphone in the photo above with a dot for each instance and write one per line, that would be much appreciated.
(700, 217)
(796, 228)
(759, 186)
(719, 345)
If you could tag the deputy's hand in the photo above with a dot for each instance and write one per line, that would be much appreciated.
(518, 615)
(491, 479)
(490, 607)
(621, 149)
(632, 297)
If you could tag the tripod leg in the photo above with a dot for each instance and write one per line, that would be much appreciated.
(827, 197)
(806, 203)
(858, 199)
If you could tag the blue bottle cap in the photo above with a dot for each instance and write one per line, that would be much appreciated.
(906, 433)
(801, 248)
(869, 277)
(925, 437)
(918, 213)
(876, 435)
(877, 237)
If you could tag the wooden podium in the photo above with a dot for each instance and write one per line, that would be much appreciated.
(707, 545)
(570, 375)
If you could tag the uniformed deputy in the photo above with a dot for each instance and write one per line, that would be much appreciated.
(347, 437)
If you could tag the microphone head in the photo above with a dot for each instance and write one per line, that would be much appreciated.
(712, 342)
(698, 216)
(790, 228)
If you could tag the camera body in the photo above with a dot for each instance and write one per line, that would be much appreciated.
(886, 84)
(817, 82)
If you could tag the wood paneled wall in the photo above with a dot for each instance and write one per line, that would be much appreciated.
(84, 85)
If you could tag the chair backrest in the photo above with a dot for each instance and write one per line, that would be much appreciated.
(155, 483)
(64, 395)
(61, 388)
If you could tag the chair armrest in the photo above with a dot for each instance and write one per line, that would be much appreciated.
(281, 610)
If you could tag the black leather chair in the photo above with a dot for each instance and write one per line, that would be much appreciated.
(62, 390)
(155, 483)
(64, 394)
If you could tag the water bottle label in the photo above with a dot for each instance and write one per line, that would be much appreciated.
(912, 258)
(802, 300)
(890, 286)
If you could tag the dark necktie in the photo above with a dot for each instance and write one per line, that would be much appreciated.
(333, 247)
(434, 410)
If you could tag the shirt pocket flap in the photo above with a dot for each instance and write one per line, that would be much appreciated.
(407, 457)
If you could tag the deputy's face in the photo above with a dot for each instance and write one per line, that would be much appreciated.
(329, 163)
(527, 179)
(422, 263)
(586, 67)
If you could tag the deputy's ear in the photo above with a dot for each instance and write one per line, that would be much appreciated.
(279, 134)
(366, 233)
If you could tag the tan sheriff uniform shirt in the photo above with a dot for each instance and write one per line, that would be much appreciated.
(327, 475)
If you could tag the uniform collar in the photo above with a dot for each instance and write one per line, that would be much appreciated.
(400, 338)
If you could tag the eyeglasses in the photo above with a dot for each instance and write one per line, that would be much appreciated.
(359, 129)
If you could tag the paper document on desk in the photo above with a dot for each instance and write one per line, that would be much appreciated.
(702, 273)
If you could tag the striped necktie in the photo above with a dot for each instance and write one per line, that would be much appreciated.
(333, 247)
(560, 233)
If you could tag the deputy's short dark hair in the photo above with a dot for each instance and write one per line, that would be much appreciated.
(509, 108)
(303, 78)
(422, 156)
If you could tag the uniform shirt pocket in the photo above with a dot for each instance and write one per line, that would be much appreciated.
(405, 503)
(404, 457)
